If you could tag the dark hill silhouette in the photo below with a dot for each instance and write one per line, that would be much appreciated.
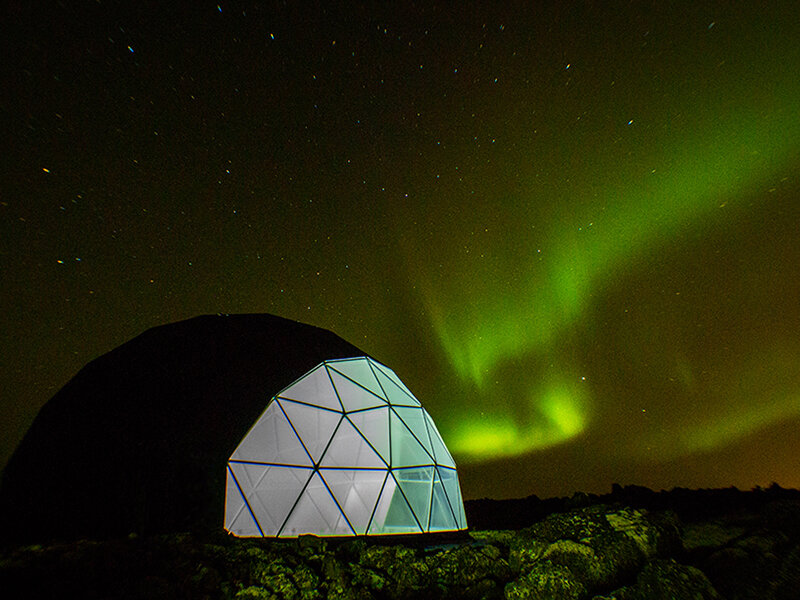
(138, 440)
(690, 505)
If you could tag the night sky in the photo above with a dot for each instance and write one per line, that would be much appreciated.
(572, 229)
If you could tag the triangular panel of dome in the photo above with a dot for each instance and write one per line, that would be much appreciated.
(314, 425)
(272, 440)
(414, 418)
(359, 370)
(316, 513)
(440, 452)
(348, 448)
(314, 388)
(387, 372)
(461, 516)
(416, 486)
(356, 491)
(452, 489)
(352, 395)
(392, 513)
(442, 517)
(395, 394)
(243, 524)
(406, 450)
(374, 426)
(234, 505)
(270, 491)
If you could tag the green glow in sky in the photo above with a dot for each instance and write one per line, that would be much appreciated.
(770, 379)
(702, 179)
(695, 178)
(555, 414)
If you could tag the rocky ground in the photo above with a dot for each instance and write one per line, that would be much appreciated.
(600, 551)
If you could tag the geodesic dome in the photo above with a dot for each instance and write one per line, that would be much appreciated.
(345, 450)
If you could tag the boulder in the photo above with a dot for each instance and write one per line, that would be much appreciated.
(664, 579)
(601, 547)
(747, 567)
(466, 571)
(788, 586)
(547, 581)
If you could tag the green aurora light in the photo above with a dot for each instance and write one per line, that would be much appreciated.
(699, 179)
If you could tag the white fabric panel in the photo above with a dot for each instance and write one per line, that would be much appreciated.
(249, 475)
(271, 439)
(234, 503)
(453, 491)
(314, 388)
(416, 485)
(396, 395)
(459, 510)
(387, 372)
(392, 513)
(374, 425)
(353, 396)
(440, 451)
(244, 525)
(406, 450)
(316, 513)
(271, 491)
(442, 518)
(356, 491)
(382, 506)
(415, 421)
(349, 449)
(358, 370)
(315, 426)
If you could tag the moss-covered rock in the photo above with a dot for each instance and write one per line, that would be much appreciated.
(546, 581)
(655, 534)
(789, 580)
(497, 537)
(664, 579)
(603, 547)
(385, 570)
(255, 592)
(526, 551)
(702, 539)
(577, 525)
(583, 554)
(467, 572)
(747, 567)
(593, 570)
(457, 572)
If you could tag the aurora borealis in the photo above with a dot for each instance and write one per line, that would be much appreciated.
(572, 229)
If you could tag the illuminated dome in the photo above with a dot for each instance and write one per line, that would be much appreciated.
(345, 450)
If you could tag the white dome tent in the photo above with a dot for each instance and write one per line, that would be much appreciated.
(345, 450)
